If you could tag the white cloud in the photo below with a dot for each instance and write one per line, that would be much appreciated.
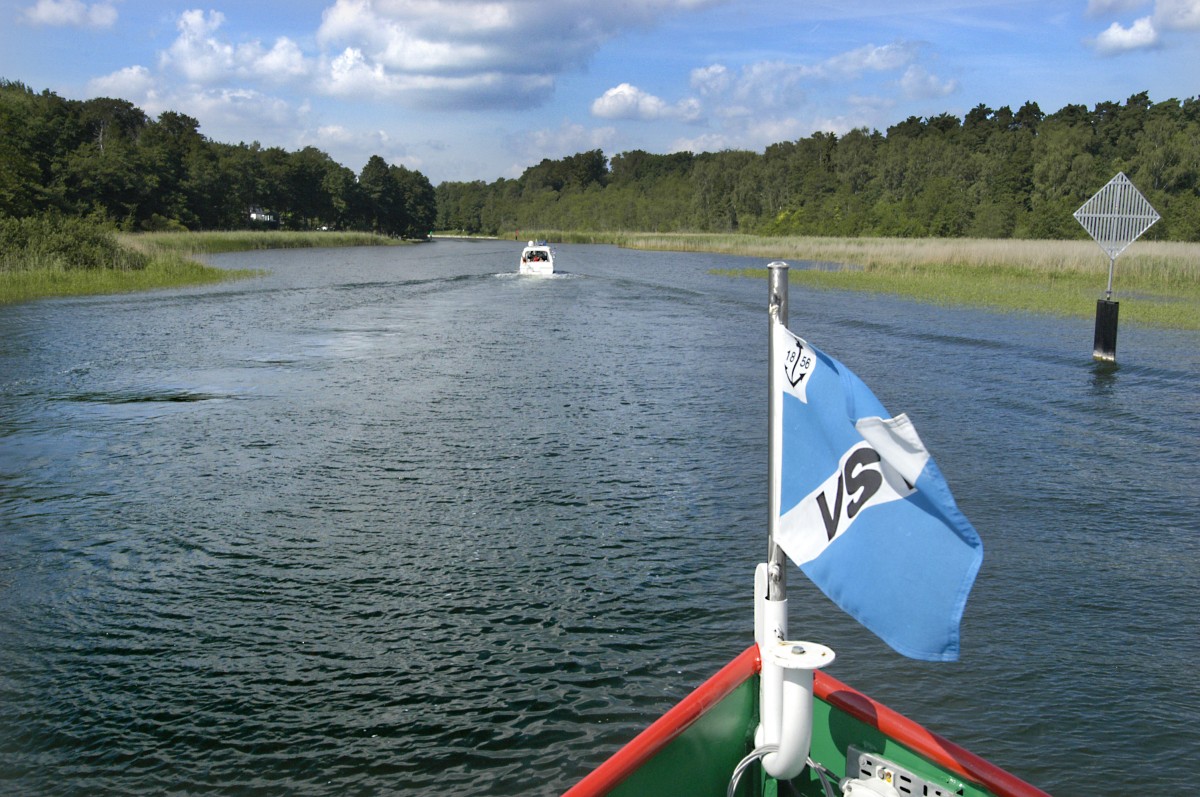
(196, 53)
(234, 114)
(629, 102)
(496, 53)
(349, 73)
(776, 84)
(776, 100)
(868, 58)
(1104, 8)
(1145, 32)
(354, 74)
(567, 139)
(714, 79)
(132, 83)
(71, 12)
(283, 60)
(919, 83)
(1117, 39)
(1167, 14)
(709, 142)
(201, 56)
(1177, 14)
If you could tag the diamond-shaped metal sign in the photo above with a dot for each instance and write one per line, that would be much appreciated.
(1117, 215)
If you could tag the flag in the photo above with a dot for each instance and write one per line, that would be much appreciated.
(862, 508)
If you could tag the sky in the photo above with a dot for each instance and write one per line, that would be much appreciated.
(482, 89)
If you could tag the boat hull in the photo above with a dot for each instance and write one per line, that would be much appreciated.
(538, 269)
(693, 748)
(537, 259)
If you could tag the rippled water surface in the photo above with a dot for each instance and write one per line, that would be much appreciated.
(396, 521)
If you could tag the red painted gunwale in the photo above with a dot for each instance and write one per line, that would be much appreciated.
(941, 751)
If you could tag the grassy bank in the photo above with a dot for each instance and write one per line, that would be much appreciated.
(1157, 284)
(164, 270)
(64, 257)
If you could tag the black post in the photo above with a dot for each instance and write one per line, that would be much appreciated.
(1105, 345)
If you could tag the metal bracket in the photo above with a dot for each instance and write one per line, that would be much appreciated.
(870, 766)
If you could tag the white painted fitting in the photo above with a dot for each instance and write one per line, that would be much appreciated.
(787, 703)
(785, 699)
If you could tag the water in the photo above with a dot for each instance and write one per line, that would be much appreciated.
(395, 521)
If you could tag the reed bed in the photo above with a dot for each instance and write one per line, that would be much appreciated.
(1157, 283)
(195, 243)
(139, 261)
(162, 270)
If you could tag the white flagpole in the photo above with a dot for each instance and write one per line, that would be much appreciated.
(777, 310)
(786, 679)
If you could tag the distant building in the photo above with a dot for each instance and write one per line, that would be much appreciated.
(265, 217)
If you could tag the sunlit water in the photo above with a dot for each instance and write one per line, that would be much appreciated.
(396, 521)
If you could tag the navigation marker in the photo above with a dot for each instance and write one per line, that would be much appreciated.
(1115, 217)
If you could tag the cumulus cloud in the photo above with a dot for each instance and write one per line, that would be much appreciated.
(917, 82)
(711, 80)
(629, 102)
(503, 53)
(1119, 39)
(1146, 32)
(202, 56)
(132, 83)
(433, 54)
(71, 12)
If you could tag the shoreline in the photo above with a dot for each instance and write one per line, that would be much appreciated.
(171, 263)
(1157, 282)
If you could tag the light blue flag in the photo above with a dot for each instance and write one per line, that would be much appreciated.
(863, 509)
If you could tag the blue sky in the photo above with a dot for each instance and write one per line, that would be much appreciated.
(482, 89)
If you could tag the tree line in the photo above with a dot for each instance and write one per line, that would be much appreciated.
(994, 174)
(105, 159)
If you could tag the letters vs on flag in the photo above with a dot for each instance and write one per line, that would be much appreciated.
(863, 509)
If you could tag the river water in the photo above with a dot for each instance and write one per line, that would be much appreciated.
(397, 521)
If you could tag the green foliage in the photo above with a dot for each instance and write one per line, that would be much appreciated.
(993, 174)
(62, 244)
(192, 243)
(162, 270)
(104, 158)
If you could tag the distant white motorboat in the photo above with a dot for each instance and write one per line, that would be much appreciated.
(537, 258)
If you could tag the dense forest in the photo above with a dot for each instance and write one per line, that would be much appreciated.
(992, 174)
(104, 159)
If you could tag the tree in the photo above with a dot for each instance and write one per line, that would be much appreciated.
(417, 202)
(382, 198)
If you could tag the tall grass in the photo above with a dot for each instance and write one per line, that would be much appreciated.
(245, 240)
(1157, 283)
(163, 270)
(42, 257)
(63, 244)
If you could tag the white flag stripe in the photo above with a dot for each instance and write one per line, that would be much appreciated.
(897, 442)
(862, 481)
